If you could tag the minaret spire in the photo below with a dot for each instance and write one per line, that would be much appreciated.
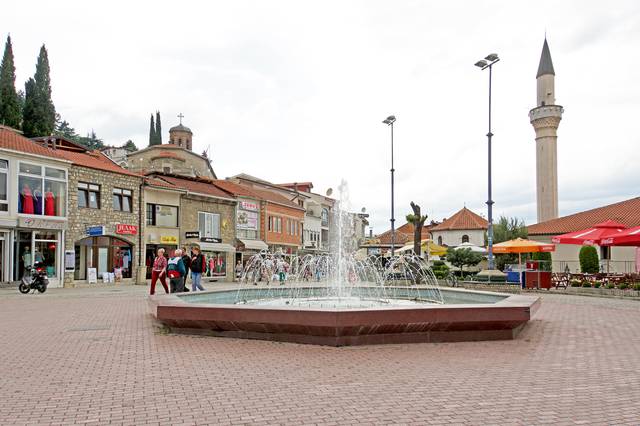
(545, 119)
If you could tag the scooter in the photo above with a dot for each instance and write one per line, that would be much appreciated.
(35, 279)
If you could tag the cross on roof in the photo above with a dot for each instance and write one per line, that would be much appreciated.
(180, 116)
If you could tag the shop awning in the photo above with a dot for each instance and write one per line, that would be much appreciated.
(254, 244)
(216, 247)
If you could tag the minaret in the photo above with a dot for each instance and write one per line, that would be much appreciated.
(545, 118)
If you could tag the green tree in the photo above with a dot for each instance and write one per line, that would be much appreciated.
(417, 220)
(152, 132)
(463, 257)
(158, 134)
(64, 130)
(130, 146)
(91, 141)
(544, 258)
(10, 108)
(589, 262)
(508, 229)
(39, 115)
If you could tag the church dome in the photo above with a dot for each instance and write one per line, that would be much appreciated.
(180, 128)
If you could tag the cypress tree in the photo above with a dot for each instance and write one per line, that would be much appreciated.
(152, 132)
(158, 129)
(10, 109)
(39, 115)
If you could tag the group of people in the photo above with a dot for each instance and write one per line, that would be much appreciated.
(177, 269)
(265, 270)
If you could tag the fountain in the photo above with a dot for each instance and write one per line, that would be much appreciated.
(338, 299)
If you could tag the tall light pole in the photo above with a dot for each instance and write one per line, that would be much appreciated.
(485, 63)
(389, 121)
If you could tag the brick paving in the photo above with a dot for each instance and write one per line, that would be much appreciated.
(97, 356)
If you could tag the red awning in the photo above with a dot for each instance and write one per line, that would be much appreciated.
(628, 237)
(591, 236)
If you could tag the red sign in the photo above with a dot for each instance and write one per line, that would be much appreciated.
(126, 229)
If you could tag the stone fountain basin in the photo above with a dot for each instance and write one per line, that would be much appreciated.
(473, 315)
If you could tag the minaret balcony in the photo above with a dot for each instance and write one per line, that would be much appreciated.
(545, 111)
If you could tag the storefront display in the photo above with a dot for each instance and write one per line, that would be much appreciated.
(106, 254)
(37, 247)
(216, 264)
(42, 190)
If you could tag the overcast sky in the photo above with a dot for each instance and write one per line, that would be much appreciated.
(296, 91)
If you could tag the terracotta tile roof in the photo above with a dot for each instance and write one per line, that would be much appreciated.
(462, 220)
(236, 189)
(274, 197)
(93, 160)
(159, 182)
(626, 212)
(404, 234)
(10, 139)
(200, 186)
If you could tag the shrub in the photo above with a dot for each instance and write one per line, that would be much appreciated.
(440, 269)
(589, 263)
(544, 260)
(611, 285)
(636, 286)
(586, 283)
(576, 283)
(623, 286)
(597, 284)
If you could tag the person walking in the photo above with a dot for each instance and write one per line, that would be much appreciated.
(176, 272)
(159, 272)
(186, 260)
(198, 266)
(239, 270)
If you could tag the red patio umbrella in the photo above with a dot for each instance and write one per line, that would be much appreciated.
(628, 237)
(591, 236)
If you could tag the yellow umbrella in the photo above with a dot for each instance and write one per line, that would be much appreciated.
(432, 248)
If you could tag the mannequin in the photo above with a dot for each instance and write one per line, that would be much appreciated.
(49, 203)
(27, 199)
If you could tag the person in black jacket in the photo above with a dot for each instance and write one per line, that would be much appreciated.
(186, 259)
(198, 266)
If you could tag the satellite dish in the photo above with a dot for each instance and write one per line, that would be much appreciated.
(364, 209)
(329, 192)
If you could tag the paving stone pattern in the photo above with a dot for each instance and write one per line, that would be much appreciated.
(97, 356)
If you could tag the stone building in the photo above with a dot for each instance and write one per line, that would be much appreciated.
(104, 233)
(545, 119)
(207, 218)
(174, 157)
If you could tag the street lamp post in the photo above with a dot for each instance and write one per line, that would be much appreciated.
(389, 121)
(485, 63)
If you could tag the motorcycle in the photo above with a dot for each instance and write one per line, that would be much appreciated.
(35, 279)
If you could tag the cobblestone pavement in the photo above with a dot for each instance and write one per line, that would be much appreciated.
(97, 356)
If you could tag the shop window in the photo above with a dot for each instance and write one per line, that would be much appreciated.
(160, 215)
(209, 224)
(105, 254)
(41, 190)
(88, 195)
(4, 201)
(122, 199)
(465, 238)
(270, 224)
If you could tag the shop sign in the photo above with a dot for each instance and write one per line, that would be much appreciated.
(247, 220)
(249, 205)
(124, 229)
(69, 260)
(210, 240)
(32, 222)
(192, 234)
(94, 231)
(168, 239)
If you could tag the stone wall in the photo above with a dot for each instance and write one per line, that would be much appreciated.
(81, 218)
(180, 161)
(192, 204)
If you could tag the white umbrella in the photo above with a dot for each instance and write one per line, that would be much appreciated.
(473, 248)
